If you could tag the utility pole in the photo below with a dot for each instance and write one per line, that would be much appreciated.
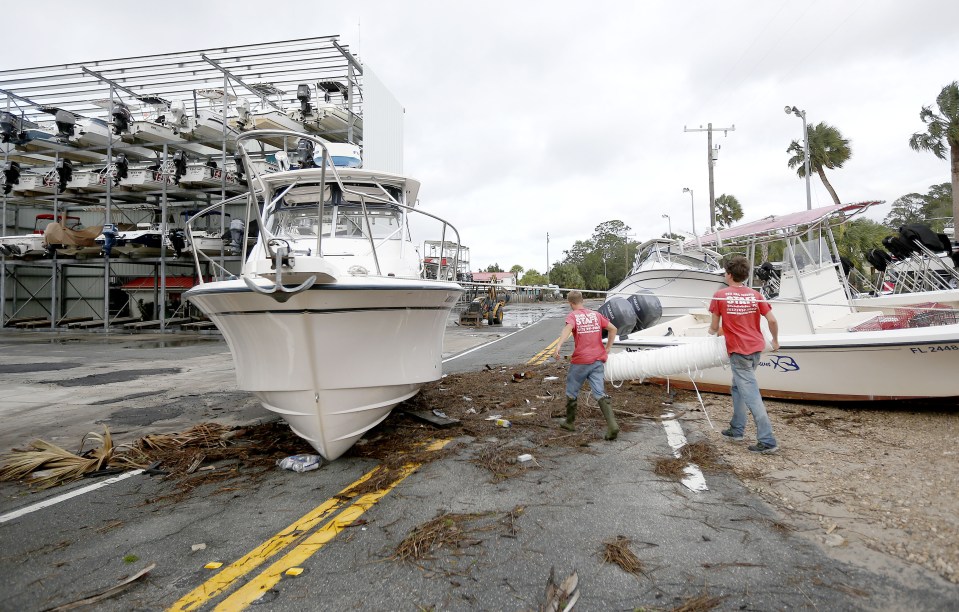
(711, 161)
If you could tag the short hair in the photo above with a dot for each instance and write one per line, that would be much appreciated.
(574, 297)
(738, 267)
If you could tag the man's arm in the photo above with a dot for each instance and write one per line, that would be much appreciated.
(773, 328)
(714, 325)
(563, 337)
(610, 335)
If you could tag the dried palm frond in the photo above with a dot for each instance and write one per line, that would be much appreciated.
(616, 550)
(51, 465)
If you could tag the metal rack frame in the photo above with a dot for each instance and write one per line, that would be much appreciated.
(35, 93)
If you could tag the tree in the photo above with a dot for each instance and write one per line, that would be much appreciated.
(942, 132)
(517, 270)
(931, 208)
(567, 276)
(728, 210)
(827, 149)
(494, 268)
(856, 238)
(532, 278)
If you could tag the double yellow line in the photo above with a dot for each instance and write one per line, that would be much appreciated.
(543, 355)
(298, 534)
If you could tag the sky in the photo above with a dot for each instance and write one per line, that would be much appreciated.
(531, 118)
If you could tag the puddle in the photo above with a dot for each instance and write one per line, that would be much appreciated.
(22, 368)
(114, 377)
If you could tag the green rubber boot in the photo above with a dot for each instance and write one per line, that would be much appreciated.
(570, 414)
(612, 429)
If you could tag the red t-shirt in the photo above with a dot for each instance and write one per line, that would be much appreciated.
(588, 326)
(740, 309)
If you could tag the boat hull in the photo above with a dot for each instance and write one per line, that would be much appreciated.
(917, 363)
(333, 360)
(678, 290)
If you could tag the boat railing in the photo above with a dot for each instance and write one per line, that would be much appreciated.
(257, 213)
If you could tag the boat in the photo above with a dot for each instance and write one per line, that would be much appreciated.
(143, 293)
(332, 120)
(72, 240)
(206, 175)
(142, 240)
(167, 125)
(208, 125)
(95, 181)
(829, 349)
(270, 119)
(669, 278)
(33, 245)
(919, 267)
(331, 323)
(209, 233)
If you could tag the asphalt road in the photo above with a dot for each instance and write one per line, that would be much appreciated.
(722, 543)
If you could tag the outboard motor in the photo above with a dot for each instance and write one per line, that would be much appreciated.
(11, 175)
(122, 118)
(122, 167)
(64, 169)
(179, 166)
(923, 234)
(242, 113)
(648, 308)
(304, 153)
(878, 258)
(66, 123)
(620, 313)
(899, 248)
(109, 238)
(633, 313)
(177, 240)
(303, 95)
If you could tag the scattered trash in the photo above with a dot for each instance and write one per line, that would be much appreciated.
(471, 411)
(524, 458)
(544, 397)
(300, 463)
(502, 423)
(213, 565)
(493, 417)
(294, 571)
(550, 378)
(467, 398)
(561, 596)
(528, 413)
(527, 401)
(110, 592)
(521, 375)
(197, 547)
(440, 413)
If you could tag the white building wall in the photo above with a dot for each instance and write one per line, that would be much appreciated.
(382, 126)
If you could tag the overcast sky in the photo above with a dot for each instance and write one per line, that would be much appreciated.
(524, 118)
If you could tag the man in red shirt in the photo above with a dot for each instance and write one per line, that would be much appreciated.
(586, 326)
(739, 308)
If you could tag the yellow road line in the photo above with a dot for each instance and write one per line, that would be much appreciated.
(543, 355)
(256, 557)
(255, 588)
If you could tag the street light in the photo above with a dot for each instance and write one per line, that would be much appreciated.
(669, 222)
(692, 204)
(792, 110)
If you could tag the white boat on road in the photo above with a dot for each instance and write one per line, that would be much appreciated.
(828, 349)
(332, 322)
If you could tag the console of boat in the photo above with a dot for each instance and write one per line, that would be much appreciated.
(332, 321)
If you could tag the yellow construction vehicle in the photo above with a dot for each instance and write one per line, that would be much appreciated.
(489, 307)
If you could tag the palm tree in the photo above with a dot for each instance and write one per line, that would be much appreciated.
(728, 210)
(942, 131)
(827, 149)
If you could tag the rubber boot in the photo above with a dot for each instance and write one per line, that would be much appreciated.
(570, 414)
(612, 429)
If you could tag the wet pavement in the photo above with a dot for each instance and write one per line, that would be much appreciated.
(724, 543)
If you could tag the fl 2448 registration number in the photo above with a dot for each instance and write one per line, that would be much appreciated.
(936, 348)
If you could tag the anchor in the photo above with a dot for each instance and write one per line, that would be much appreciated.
(281, 259)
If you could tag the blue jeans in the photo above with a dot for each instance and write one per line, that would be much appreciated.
(745, 392)
(580, 373)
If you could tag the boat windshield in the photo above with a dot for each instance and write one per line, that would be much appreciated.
(295, 214)
(344, 221)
